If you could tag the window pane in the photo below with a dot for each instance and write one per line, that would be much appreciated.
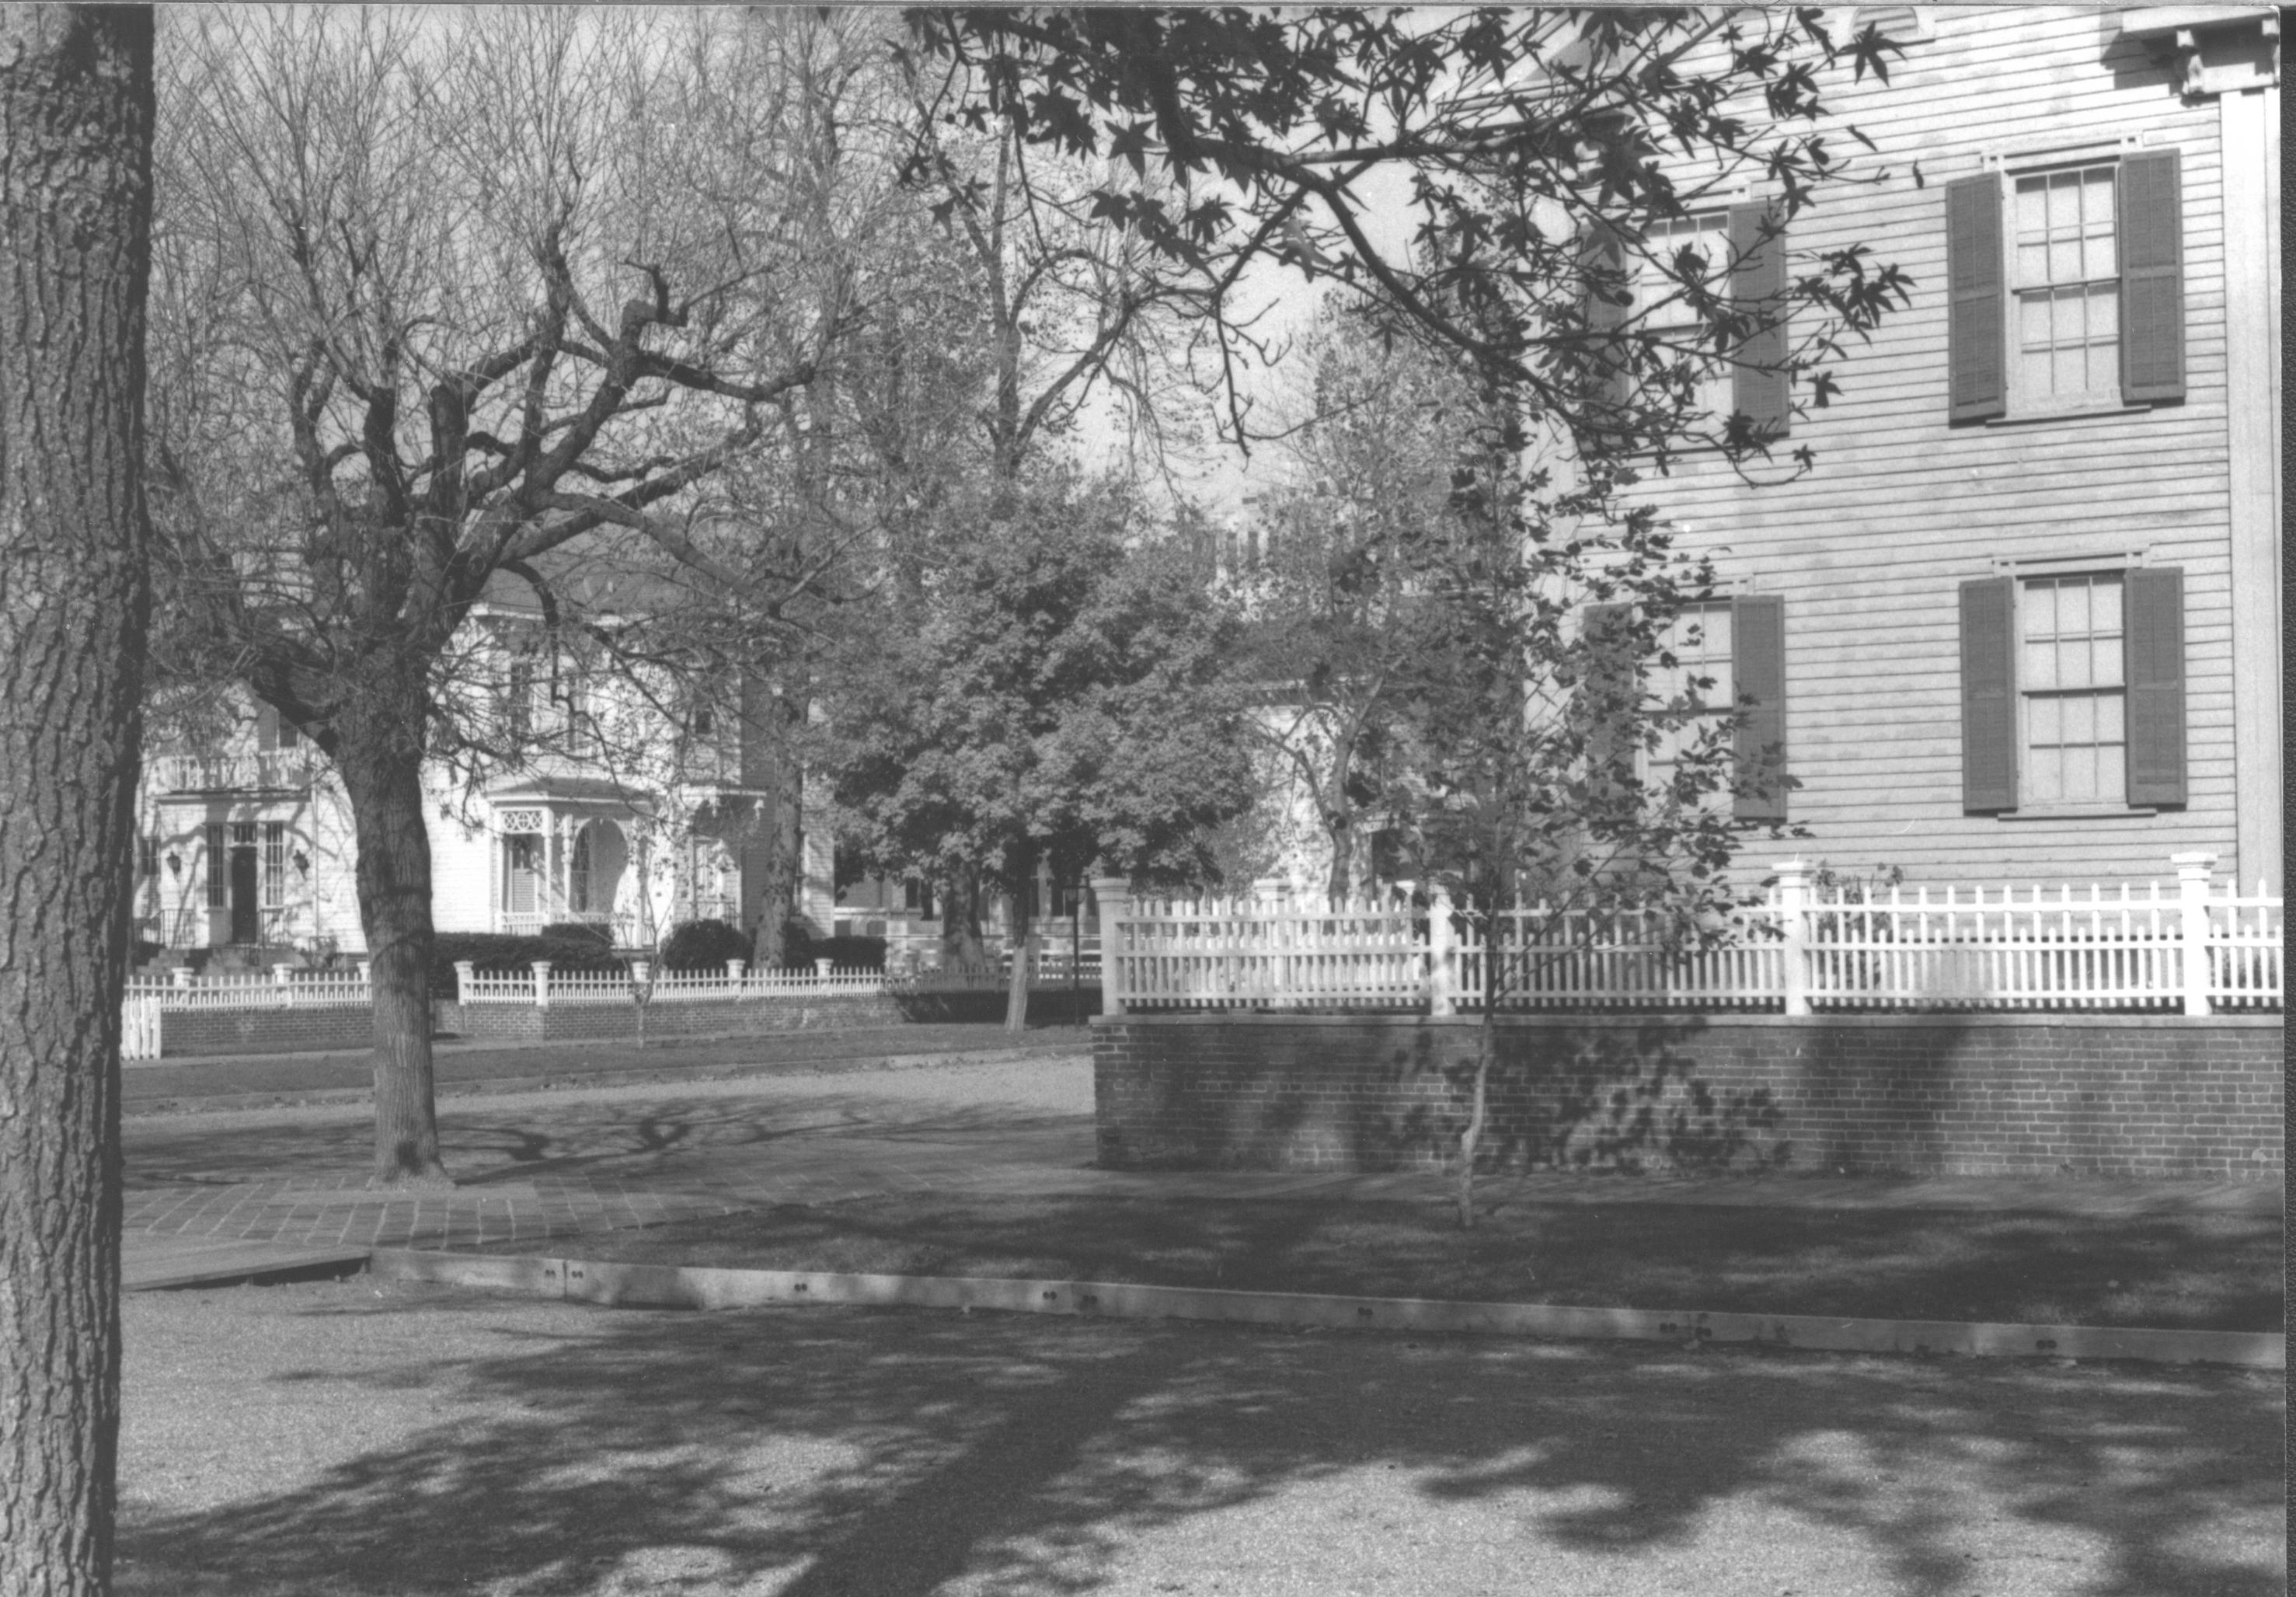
(2080, 774)
(2068, 371)
(2096, 200)
(2033, 322)
(2072, 607)
(2079, 720)
(2048, 774)
(2032, 262)
(2047, 721)
(2064, 203)
(2104, 605)
(2040, 666)
(2065, 258)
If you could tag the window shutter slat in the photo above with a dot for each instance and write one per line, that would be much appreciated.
(1988, 695)
(2152, 657)
(2152, 277)
(1762, 390)
(1757, 661)
(1978, 373)
(1610, 388)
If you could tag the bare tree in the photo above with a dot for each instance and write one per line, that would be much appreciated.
(442, 294)
(76, 111)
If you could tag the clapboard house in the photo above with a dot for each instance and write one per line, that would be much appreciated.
(2022, 620)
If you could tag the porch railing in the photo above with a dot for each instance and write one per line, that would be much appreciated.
(2192, 948)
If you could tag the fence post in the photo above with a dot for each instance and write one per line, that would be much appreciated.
(2193, 888)
(821, 969)
(737, 971)
(367, 971)
(1113, 895)
(179, 975)
(542, 983)
(466, 974)
(1794, 919)
(1442, 956)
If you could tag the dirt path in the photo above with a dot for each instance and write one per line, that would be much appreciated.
(293, 1442)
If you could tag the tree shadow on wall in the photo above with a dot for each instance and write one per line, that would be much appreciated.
(820, 1451)
(1602, 1097)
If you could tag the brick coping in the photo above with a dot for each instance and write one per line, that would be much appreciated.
(1699, 1020)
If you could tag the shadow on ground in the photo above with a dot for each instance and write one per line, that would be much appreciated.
(825, 1451)
(667, 1134)
(2203, 1272)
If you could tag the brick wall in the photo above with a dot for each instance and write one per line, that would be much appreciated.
(306, 1028)
(1963, 1094)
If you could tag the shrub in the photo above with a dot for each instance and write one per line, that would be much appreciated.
(800, 948)
(503, 951)
(703, 945)
(580, 933)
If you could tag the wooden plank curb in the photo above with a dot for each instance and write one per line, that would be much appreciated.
(695, 1287)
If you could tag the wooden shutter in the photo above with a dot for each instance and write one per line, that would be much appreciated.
(1978, 371)
(1988, 695)
(1610, 384)
(1757, 662)
(1762, 390)
(2153, 659)
(2152, 277)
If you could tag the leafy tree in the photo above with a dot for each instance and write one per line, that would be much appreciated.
(1332, 572)
(1542, 151)
(76, 114)
(1056, 702)
(438, 296)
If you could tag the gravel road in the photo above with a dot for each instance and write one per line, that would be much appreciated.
(362, 1437)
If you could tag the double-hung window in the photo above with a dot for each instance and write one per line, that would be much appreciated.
(2065, 285)
(2065, 276)
(1745, 240)
(2071, 689)
(275, 864)
(2074, 691)
(1729, 661)
(1666, 313)
(1698, 691)
(218, 867)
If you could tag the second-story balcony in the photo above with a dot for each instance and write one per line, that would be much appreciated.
(266, 771)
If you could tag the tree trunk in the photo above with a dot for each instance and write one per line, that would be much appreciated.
(381, 769)
(1016, 990)
(960, 923)
(75, 254)
(1471, 1139)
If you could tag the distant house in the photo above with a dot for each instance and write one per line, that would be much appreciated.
(630, 810)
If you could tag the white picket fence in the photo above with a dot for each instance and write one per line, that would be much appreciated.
(2190, 948)
(544, 985)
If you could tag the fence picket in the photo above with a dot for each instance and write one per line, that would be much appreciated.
(2024, 946)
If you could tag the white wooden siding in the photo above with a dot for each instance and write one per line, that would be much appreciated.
(1869, 552)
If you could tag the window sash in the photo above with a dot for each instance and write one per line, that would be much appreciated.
(521, 872)
(2074, 715)
(2063, 268)
(1700, 641)
(275, 864)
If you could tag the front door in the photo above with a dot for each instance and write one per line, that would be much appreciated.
(246, 918)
